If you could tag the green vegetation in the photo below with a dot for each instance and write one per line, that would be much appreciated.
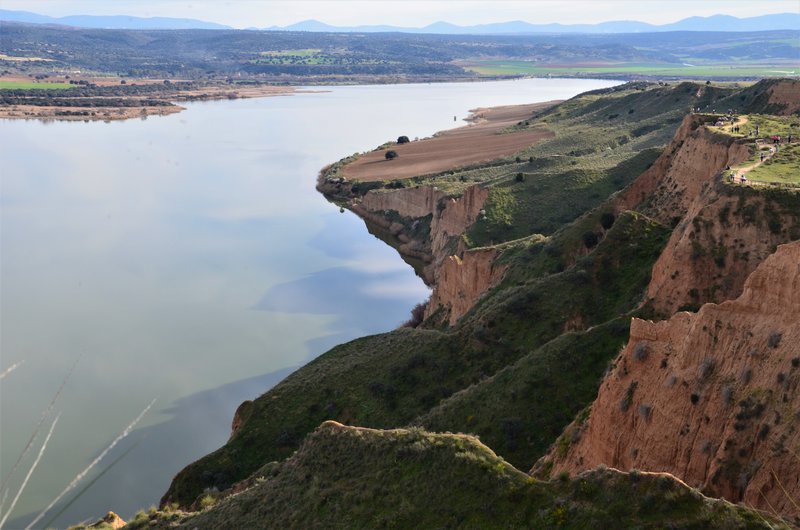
(662, 70)
(312, 57)
(782, 168)
(390, 379)
(344, 477)
(12, 85)
(515, 370)
(603, 140)
(556, 380)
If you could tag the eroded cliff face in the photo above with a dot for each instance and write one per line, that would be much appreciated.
(781, 97)
(691, 161)
(710, 397)
(462, 281)
(403, 212)
(722, 231)
(726, 233)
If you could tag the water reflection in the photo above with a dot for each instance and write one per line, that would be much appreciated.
(147, 457)
(186, 252)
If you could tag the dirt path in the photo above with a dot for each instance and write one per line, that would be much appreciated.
(481, 141)
(742, 171)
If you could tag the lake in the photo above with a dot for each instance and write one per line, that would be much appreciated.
(189, 259)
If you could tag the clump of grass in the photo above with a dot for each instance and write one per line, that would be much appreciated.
(625, 404)
(640, 351)
(706, 368)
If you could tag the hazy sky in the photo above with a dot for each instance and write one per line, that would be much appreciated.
(262, 13)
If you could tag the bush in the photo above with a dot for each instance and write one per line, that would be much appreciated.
(417, 315)
(520, 177)
(640, 351)
(402, 140)
(390, 154)
(706, 367)
(774, 339)
(607, 220)
(590, 239)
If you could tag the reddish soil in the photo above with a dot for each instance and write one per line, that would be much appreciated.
(480, 141)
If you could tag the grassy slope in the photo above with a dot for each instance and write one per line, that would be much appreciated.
(782, 168)
(390, 379)
(397, 378)
(345, 477)
(604, 140)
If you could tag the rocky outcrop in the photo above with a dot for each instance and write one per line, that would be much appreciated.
(401, 211)
(462, 281)
(243, 412)
(711, 397)
(110, 521)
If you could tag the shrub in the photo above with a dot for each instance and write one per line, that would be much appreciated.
(706, 368)
(207, 502)
(390, 154)
(746, 375)
(402, 140)
(763, 432)
(625, 404)
(607, 220)
(774, 339)
(645, 411)
(417, 316)
(727, 395)
(520, 177)
(694, 399)
(640, 351)
(590, 239)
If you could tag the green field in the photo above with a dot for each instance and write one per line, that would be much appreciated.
(496, 67)
(306, 52)
(19, 85)
(783, 168)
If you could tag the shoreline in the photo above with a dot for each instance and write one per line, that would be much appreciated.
(168, 104)
(484, 138)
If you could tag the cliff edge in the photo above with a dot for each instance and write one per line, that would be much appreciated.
(710, 397)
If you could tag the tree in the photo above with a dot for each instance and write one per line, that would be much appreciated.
(391, 155)
(402, 140)
(607, 220)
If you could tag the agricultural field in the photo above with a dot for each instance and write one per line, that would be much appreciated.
(501, 67)
(25, 85)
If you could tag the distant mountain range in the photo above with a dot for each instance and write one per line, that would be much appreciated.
(713, 23)
(783, 21)
(109, 22)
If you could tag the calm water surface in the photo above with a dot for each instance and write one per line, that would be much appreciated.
(188, 258)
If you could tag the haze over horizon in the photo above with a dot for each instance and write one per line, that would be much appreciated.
(415, 13)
